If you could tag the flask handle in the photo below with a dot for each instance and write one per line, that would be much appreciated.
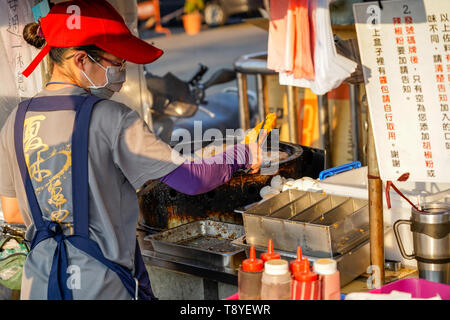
(399, 240)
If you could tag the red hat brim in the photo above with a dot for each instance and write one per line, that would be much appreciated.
(130, 48)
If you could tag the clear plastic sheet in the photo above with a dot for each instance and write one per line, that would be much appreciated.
(15, 54)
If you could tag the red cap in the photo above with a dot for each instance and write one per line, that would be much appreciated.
(252, 264)
(296, 264)
(92, 22)
(270, 254)
(305, 274)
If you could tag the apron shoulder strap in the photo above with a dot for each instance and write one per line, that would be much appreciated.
(18, 145)
(80, 176)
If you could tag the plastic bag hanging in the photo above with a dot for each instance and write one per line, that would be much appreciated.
(330, 68)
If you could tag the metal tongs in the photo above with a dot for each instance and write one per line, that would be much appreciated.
(260, 131)
(260, 144)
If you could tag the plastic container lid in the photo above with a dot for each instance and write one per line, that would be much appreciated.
(296, 264)
(276, 267)
(325, 266)
(305, 274)
(252, 264)
(270, 254)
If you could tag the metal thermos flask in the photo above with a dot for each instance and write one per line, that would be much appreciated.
(431, 241)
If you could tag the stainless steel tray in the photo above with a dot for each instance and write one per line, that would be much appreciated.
(275, 203)
(350, 264)
(305, 201)
(323, 225)
(205, 240)
(317, 210)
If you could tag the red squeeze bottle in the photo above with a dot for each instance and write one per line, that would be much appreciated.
(249, 277)
(252, 264)
(270, 254)
(306, 283)
(305, 274)
(296, 264)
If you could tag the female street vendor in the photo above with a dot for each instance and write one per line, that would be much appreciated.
(72, 160)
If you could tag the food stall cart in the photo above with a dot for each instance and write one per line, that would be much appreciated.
(202, 240)
(182, 250)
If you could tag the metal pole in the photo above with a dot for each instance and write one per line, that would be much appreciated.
(244, 116)
(375, 208)
(292, 115)
(324, 127)
(354, 106)
(261, 100)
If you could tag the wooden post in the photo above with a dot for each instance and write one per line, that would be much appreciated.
(375, 209)
(354, 111)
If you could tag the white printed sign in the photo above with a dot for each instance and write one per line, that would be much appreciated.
(405, 52)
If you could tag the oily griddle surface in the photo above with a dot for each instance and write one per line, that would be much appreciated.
(204, 235)
(210, 243)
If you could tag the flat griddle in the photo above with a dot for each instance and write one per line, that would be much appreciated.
(205, 240)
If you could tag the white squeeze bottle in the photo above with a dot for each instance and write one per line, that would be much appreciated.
(329, 279)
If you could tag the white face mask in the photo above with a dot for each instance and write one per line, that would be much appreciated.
(115, 77)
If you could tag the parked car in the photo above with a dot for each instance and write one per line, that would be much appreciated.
(216, 12)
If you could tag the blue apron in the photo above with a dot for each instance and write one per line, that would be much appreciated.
(138, 285)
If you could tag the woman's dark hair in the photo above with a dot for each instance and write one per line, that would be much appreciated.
(32, 36)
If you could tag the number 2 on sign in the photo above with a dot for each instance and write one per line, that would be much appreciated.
(406, 9)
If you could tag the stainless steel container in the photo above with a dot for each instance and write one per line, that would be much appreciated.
(324, 226)
(431, 241)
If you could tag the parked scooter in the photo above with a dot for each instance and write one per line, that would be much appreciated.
(178, 104)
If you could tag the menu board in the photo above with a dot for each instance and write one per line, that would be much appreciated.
(405, 52)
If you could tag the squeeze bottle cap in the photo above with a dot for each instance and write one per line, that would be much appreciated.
(296, 264)
(270, 254)
(276, 267)
(305, 274)
(252, 264)
(325, 266)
